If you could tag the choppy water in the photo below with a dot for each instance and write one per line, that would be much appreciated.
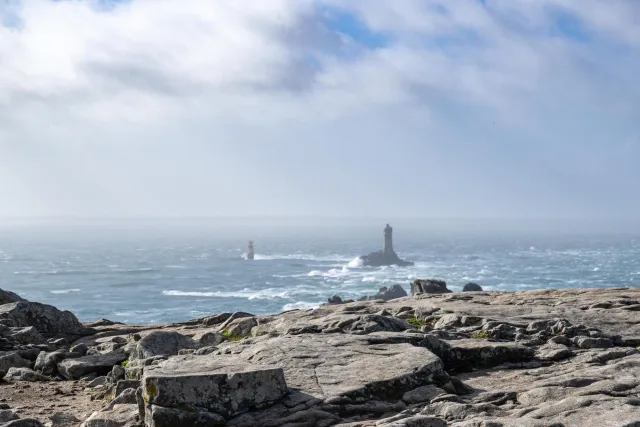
(172, 278)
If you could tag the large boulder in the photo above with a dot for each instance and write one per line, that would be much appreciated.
(46, 319)
(472, 287)
(223, 385)
(429, 286)
(25, 374)
(12, 359)
(99, 364)
(47, 363)
(162, 343)
(7, 297)
(386, 294)
(118, 416)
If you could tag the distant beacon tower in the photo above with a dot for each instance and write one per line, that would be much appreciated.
(388, 240)
(250, 254)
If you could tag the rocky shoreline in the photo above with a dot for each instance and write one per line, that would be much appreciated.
(547, 358)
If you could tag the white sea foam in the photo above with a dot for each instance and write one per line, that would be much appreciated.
(64, 291)
(356, 263)
(247, 293)
(300, 305)
(301, 257)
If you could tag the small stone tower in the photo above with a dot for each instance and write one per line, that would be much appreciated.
(388, 240)
(250, 254)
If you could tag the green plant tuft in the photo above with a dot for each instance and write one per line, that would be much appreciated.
(418, 323)
(124, 364)
(481, 334)
(231, 337)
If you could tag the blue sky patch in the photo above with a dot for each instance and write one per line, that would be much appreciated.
(348, 23)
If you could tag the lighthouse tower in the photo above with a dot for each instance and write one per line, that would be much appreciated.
(250, 253)
(388, 240)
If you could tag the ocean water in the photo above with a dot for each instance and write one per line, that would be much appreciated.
(173, 276)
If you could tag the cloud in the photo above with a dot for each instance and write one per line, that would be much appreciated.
(441, 108)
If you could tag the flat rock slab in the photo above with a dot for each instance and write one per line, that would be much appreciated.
(224, 385)
(465, 354)
(100, 364)
(346, 366)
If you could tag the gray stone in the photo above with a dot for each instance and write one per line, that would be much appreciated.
(98, 382)
(12, 359)
(472, 287)
(157, 416)
(553, 352)
(239, 327)
(224, 385)
(25, 374)
(25, 422)
(119, 416)
(162, 343)
(60, 419)
(46, 319)
(387, 294)
(80, 349)
(7, 297)
(47, 363)
(588, 342)
(27, 335)
(123, 385)
(429, 286)
(415, 421)
(422, 394)
(210, 339)
(7, 415)
(99, 364)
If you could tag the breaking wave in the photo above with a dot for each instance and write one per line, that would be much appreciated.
(64, 291)
(300, 305)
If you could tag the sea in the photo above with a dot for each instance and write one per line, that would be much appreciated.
(151, 272)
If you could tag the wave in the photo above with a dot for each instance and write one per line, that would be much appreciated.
(64, 291)
(301, 257)
(269, 293)
(356, 263)
(300, 305)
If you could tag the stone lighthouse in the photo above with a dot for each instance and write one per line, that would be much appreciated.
(387, 255)
(387, 248)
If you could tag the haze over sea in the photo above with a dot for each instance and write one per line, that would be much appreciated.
(163, 271)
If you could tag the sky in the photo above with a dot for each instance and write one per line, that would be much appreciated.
(360, 108)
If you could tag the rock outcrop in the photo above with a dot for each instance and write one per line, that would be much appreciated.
(429, 286)
(541, 358)
(386, 256)
(386, 294)
(472, 287)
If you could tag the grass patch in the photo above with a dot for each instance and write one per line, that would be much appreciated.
(481, 334)
(124, 364)
(233, 337)
(414, 321)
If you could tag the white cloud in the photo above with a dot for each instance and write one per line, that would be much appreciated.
(162, 106)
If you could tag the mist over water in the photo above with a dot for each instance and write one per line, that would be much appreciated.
(164, 271)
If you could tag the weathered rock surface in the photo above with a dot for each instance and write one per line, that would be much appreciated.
(162, 343)
(46, 319)
(429, 286)
(386, 294)
(119, 416)
(527, 359)
(7, 297)
(99, 364)
(472, 287)
(381, 258)
(25, 374)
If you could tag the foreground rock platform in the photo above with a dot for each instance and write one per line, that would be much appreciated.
(548, 358)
